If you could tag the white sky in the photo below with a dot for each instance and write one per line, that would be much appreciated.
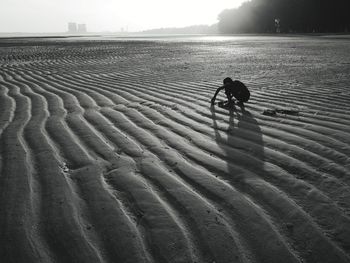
(108, 15)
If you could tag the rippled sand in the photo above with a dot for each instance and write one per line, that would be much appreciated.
(110, 151)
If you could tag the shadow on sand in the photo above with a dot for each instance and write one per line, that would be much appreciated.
(236, 131)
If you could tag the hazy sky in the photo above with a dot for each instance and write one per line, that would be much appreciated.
(108, 15)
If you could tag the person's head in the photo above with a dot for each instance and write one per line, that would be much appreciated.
(227, 80)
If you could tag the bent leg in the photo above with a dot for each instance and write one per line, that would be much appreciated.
(229, 96)
(242, 97)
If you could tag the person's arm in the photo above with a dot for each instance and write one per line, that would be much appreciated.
(216, 93)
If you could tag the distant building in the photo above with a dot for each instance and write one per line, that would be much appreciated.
(82, 28)
(72, 28)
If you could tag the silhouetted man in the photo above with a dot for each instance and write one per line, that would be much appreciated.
(233, 89)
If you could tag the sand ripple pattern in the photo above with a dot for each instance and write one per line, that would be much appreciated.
(110, 152)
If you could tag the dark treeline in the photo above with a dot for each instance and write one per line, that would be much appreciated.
(297, 16)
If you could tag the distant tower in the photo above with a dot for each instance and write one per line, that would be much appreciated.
(278, 25)
(82, 28)
(72, 28)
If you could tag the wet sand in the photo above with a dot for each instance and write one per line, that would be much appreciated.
(111, 152)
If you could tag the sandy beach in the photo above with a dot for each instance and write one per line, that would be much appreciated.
(111, 152)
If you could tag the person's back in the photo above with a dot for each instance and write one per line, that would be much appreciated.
(238, 90)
